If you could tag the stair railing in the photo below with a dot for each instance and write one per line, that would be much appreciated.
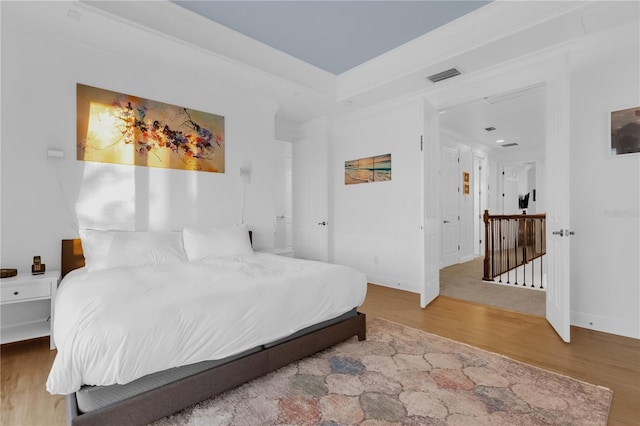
(512, 241)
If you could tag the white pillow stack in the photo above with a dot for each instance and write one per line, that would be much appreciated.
(124, 249)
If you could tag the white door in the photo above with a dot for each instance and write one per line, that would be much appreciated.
(450, 195)
(557, 196)
(430, 209)
(510, 176)
(310, 193)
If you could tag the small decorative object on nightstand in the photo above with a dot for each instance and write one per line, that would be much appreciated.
(37, 268)
(28, 307)
(6, 273)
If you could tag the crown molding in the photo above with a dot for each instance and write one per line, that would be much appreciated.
(168, 19)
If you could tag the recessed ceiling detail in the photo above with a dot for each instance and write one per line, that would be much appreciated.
(333, 35)
(520, 120)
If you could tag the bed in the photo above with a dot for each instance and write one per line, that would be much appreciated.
(97, 393)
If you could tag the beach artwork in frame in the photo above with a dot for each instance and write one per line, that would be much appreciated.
(117, 128)
(369, 169)
(625, 131)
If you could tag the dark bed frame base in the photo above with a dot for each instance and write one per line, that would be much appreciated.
(161, 402)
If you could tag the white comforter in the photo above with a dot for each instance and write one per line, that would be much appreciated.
(114, 326)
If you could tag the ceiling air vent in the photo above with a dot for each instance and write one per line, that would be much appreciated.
(444, 75)
(506, 145)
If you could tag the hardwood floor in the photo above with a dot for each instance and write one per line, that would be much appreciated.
(598, 358)
(25, 401)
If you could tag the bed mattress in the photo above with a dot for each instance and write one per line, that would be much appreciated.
(90, 398)
(119, 325)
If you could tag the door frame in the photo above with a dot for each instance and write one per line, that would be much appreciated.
(551, 69)
(479, 180)
(311, 237)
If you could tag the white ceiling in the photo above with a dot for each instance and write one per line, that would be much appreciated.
(518, 117)
(333, 35)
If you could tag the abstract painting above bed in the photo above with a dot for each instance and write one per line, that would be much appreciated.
(124, 129)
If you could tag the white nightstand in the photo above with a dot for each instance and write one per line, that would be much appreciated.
(28, 306)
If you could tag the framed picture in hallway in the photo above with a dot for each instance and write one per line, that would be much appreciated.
(625, 131)
(465, 183)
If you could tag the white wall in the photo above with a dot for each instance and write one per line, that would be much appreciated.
(286, 131)
(44, 54)
(376, 226)
(605, 198)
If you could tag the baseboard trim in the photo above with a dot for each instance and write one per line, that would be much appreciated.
(468, 258)
(392, 283)
(606, 325)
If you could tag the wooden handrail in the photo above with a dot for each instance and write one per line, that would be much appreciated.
(514, 216)
(520, 239)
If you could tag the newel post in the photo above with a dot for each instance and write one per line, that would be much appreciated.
(487, 258)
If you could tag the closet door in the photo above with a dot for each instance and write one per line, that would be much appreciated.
(311, 192)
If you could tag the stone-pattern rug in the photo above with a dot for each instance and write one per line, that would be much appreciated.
(403, 376)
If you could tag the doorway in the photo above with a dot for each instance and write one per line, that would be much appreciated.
(283, 193)
(496, 134)
(519, 187)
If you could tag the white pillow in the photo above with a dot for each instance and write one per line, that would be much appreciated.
(122, 249)
(217, 242)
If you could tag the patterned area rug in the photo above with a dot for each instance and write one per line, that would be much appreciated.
(403, 376)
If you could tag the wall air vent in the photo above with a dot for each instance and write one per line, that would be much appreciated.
(444, 75)
(506, 145)
(489, 129)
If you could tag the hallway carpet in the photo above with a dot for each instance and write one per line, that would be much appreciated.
(464, 281)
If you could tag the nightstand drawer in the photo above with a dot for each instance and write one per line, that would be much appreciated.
(21, 292)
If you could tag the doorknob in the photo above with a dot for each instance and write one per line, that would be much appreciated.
(560, 232)
(323, 223)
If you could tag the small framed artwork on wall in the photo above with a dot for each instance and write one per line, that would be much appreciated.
(369, 169)
(625, 131)
(465, 183)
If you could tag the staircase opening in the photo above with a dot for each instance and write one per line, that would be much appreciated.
(514, 250)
